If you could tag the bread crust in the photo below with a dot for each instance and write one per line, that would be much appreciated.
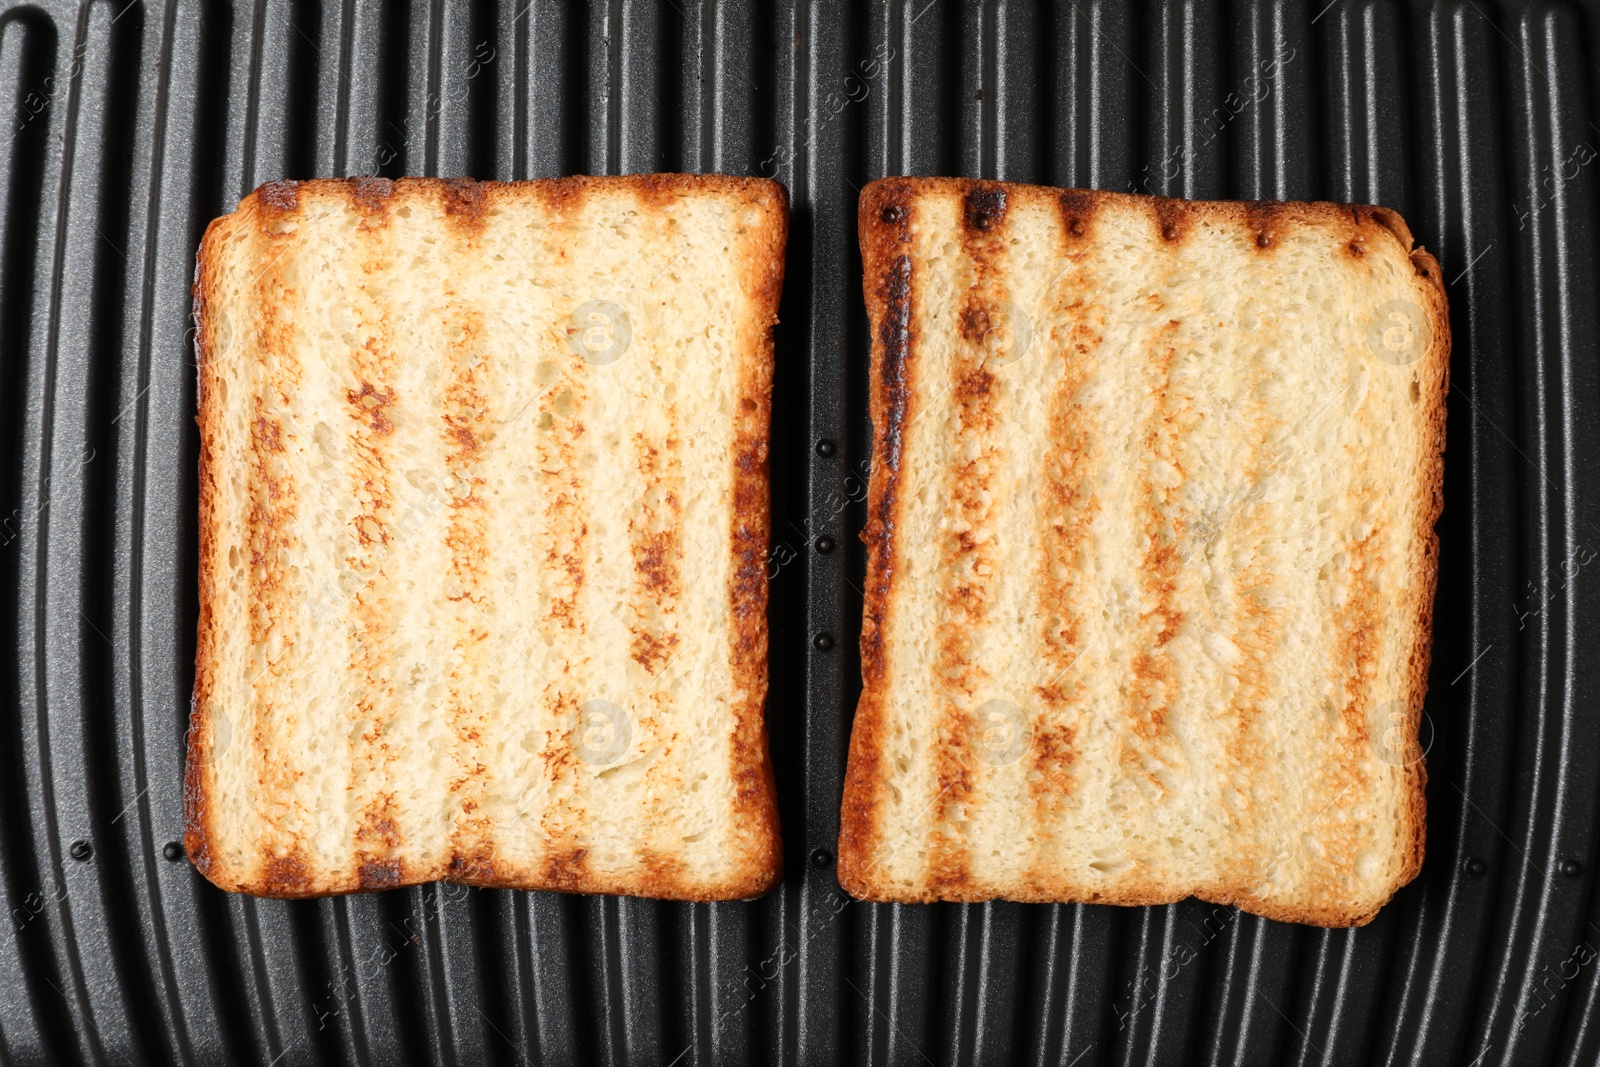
(886, 213)
(883, 219)
(466, 202)
(197, 778)
(752, 764)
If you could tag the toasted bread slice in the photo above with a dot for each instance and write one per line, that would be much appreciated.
(1151, 550)
(483, 519)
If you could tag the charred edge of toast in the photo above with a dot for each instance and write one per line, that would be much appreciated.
(983, 207)
(379, 874)
(1436, 361)
(1333, 917)
(590, 887)
(885, 216)
(1174, 218)
(658, 877)
(196, 843)
(755, 800)
(196, 838)
(370, 194)
(1078, 208)
(278, 198)
(1329, 917)
(196, 777)
(886, 209)
(465, 203)
(287, 876)
(277, 876)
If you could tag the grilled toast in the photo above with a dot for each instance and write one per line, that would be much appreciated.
(1151, 556)
(483, 519)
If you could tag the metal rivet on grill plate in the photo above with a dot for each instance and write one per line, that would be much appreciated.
(1571, 868)
(825, 544)
(172, 850)
(826, 448)
(80, 850)
(1477, 866)
(823, 642)
(820, 858)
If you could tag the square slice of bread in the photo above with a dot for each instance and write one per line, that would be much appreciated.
(1151, 550)
(483, 519)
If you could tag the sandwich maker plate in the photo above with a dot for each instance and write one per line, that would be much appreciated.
(129, 124)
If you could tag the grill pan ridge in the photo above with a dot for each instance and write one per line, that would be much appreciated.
(131, 124)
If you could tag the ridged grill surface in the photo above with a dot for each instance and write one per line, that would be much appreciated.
(130, 125)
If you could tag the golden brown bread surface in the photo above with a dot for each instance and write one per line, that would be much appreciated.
(1151, 557)
(483, 519)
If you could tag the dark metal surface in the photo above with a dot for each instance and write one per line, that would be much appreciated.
(129, 125)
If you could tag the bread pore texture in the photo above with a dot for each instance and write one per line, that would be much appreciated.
(1151, 556)
(483, 526)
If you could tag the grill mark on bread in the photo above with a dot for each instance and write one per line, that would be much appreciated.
(1396, 226)
(563, 488)
(464, 202)
(1359, 618)
(465, 426)
(1173, 218)
(1155, 681)
(1143, 747)
(377, 830)
(1254, 628)
(967, 557)
(1066, 511)
(475, 867)
(567, 816)
(378, 874)
(654, 536)
(655, 541)
(1265, 218)
(563, 578)
(1078, 208)
(566, 869)
(273, 506)
(370, 196)
(563, 819)
(662, 868)
(277, 198)
(983, 209)
(657, 191)
(564, 196)
(287, 875)
(569, 532)
(1161, 558)
(371, 403)
(371, 658)
(1068, 505)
